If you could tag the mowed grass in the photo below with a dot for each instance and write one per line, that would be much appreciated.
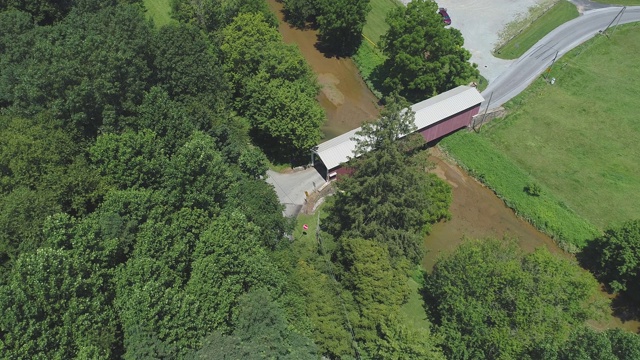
(369, 56)
(559, 14)
(414, 310)
(579, 139)
(508, 180)
(159, 11)
(376, 24)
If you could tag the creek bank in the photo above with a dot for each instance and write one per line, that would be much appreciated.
(345, 97)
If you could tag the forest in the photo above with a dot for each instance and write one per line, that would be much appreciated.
(135, 221)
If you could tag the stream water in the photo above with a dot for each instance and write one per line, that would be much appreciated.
(345, 97)
(476, 211)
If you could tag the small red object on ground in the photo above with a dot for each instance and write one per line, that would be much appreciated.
(305, 227)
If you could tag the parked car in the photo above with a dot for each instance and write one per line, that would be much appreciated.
(445, 16)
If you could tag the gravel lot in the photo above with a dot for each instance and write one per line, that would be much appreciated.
(480, 22)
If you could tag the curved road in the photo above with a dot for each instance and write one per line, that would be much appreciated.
(557, 43)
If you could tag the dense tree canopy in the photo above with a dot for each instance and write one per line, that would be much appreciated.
(339, 22)
(614, 258)
(277, 86)
(491, 301)
(423, 57)
(212, 15)
(387, 197)
(134, 214)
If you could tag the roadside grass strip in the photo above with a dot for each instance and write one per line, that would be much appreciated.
(559, 14)
(577, 140)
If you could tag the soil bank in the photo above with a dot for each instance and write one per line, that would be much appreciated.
(478, 213)
(345, 97)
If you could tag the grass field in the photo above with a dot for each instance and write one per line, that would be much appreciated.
(560, 13)
(376, 25)
(414, 308)
(578, 139)
(369, 56)
(159, 11)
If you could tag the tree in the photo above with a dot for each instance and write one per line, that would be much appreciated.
(324, 310)
(228, 262)
(261, 332)
(298, 12)
(586, 344)
(197, 175)
(340, 24)
(212, 15)
(386, 196)
(275, 86)
(614, 258)
(379, 287)
(186, 66)
(285, 114)
(258, 202)
(129, 160)
(491, 301)
(250, 45)
(43, 12)
(86, 71)
(625, 345)
(22, 213)
(54, 307)
(423, 57)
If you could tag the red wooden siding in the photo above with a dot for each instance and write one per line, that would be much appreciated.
(449, 125)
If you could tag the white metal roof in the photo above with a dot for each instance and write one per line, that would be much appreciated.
(440, 107)
(338, 150)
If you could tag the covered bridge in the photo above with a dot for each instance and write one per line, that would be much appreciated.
(434, 118)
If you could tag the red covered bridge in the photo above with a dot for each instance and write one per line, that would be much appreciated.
(435, 118)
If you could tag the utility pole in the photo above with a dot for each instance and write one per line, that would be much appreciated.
(485, 112)
(617, 17)
(546, 76)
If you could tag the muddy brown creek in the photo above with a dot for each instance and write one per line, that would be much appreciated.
(345, 97)
(476, 211)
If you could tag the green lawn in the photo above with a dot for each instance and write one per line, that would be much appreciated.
(159, 11)
(578, 139)
(376, 24)
(414, 308)
(560, 13)
(369, 56)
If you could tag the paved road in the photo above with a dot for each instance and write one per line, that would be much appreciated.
(566, 37)
(290, 187)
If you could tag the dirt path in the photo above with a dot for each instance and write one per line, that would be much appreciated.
(345, 97)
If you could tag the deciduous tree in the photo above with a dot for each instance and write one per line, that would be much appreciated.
(423, 57)
(491, 301)
(615, 258)
(340, 24)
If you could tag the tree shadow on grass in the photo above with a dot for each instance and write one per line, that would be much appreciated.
(625, 308)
